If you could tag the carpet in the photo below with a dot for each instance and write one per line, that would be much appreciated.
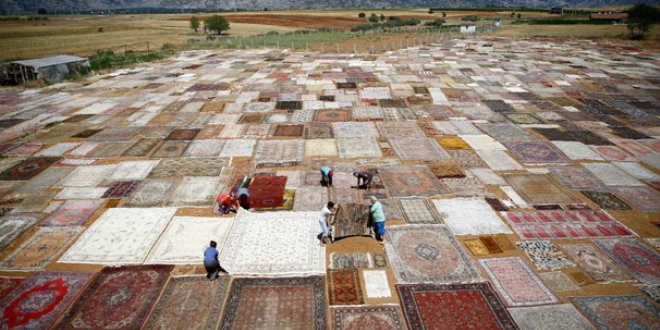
(595, 263)
(318, 131)
(545, 255)
(171, 149)
(354, 130)
(332, 115)
(466, 187)
(499, 160)
(256, 130)
(566, 225)
(13, 225)
(238, 148)
(476, 247)
(7, 284)
(358, 148)
(343, 195)
(577, 178)
(252, 248)
(540, 189)
(367, 317)
(24, 150)
(536, 152)
(310, 199)
(349, 260)
(376, 284)
(468, 158)
(289, 130)
(505, 131)
(379, 260)
(479, 141)
(449, 142)
(428, 254)
(635, 257)
(265, 190)
(39, 299)
(617, 312)
(516, 283)
(613, 153)
(130, 232)
(470, 216)
(41, 248)
(611, 175)
(132, 170)
(417, 211)
(196, 191)
(644, 198)
(189, 302)
(182, 134)
(151, 193)
(185, 239)
(84, 149)
(344, 287)
(279, 152)
(453, 306)
(321, 148)
(652, 290)
(418, 149)
(109, 150)
(28, 168)
(42, 182)
(409, 181)
(141, 148)
(392, 130)
(576, 150)
(78, 161)
(446, 169)
(496, 204)
(491, 244)
(351, 219)
(169, 168)
(313, 178)
(558, 281)
(118, 297)
(205, 148)
(556, 317)
(72, 213)
(87, 176)
(232, 131)
(57, 150)
(121, 189)
(81, 193)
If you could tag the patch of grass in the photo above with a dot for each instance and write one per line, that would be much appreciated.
(108, 59)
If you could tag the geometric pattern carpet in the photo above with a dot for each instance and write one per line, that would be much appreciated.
(637, 258)
(453, 306)
(596, 263)
(344, 287)
(41, 248)
(619, 312)
(556, 317)
(279, 303)
(13, 226)
(414, 180)
(367, 317)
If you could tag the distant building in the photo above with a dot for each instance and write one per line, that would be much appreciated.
(616, 18)
(49, 69)
(557, 10)
(468, 28)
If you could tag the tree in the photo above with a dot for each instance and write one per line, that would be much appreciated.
(42, 11)
(373, 18)
(362, 15)
(194, 23)
(640, 19)
(444, 14)
(382, 17)
(519, 15)
(216, 23)
(430, 10)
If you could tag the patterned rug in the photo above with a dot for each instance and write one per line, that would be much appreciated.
(354, 129)
(499, 160)
(470, 216)
(491, 244)
(350, 148)
(185, 239)
(613, 153)
(310, 199)
(466, 187)
(130, 232)
(28, 168)
(141, 148)
(448, 169)
(476, 247)
(505, 131)
(40, 183)
(171, 149)
(635, 257)
(516, 283)
(318, 131)
(367, 317)
(205, 148)
(379, 259)
(72, 213)
(108, 150)
(121, 189)
(545, 255)
(536, 152)
(351, 220)
(87, 176)
(116, 134)
(418, 149)
(289, 130)
(428, 254)
(182, 134)
(540, 188)
(24, 150)
(151, 194)
(611, 175)
(171, 168)
(282, 303)
(453, 306)
(467, 158)
(253, 248)
(279, 152)
(577, 178)
(190, 302)
(417, 211)
(197, 191)
(7, 284)
(606, 200)
(321, 148)
(13, 225)
(644, 198)
(558, 281)
(349, 260)
(566, 224)
(41, 248)
(595, 263)
(238, 148)
(39, 299)
(619, 312)
(343, 195)
(557, 317)
(653, 291)
(400, 130)
(409, 181)
(113, 292)
(344, 287)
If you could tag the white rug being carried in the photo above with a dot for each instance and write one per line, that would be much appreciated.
(120, 236)
(470, 216)
(274, 243)
(186, 238)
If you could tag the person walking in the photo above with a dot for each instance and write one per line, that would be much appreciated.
(378, 217)
(325, 219)
(211, 262)
(365, 177)
(326, 176)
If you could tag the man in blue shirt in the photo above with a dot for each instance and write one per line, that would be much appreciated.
(326, 176)
(211, 262)
(379, 218)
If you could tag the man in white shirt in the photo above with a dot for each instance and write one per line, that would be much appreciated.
(325, 221)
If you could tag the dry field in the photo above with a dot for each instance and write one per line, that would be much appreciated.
(79, 35)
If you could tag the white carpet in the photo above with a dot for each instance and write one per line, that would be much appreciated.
(133, 170)
(470, 216)
(376, 284)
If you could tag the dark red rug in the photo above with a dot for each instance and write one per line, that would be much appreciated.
(453, 306)
(28, 168)
(265, 191)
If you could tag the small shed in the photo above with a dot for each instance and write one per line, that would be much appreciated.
(50, 69)
(468, 28)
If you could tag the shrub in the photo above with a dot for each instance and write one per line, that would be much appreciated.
(413, 21)
(470, 18)
(100, 30)
(362, 15)
(437, 22)
(373, 18)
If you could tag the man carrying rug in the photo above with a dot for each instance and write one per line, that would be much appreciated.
(211, 262)
(379, 218)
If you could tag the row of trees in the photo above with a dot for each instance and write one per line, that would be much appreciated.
(214, 23)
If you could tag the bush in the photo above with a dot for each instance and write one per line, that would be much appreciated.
(470, 18)
(362, 15)
(413, 21)
(373, 18)
(100, 30)
(437, 22)
(272, 33)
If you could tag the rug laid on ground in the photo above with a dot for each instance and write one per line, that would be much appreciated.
(555, 317)
(417, 210)
(367, 317)
(119, 236)
(132, 171)
(281, 303)
(540, 189)
(279, 152)
(321, 148)
(411, 148)
(545, 255)
(453, 306)
(310, 199)
(428, 254)
(343, 194)
(196, 191)
(358, 148)
(190, 302)
(265, 190)
(351, 219)
(409, 181)
(41, 248)
(7, 284)
(644, 198)
(595, 263)
(376, 284)
(168, 168)
(73, 212)
(516, 283)
(28, 168)
(39, 299)
(141, 148)
(558, 281)
(558, 224)
(606, 200)
(536, 152)
(615, 312)
(118, 297)
(577, 178)
(87, 176)
(349, 260)
(470, 216)
(13, 225)
(151, 193)
(121, 189)
(651, 290)
(185, 238)
(635, 257)
(344, 287)
(253, 248)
